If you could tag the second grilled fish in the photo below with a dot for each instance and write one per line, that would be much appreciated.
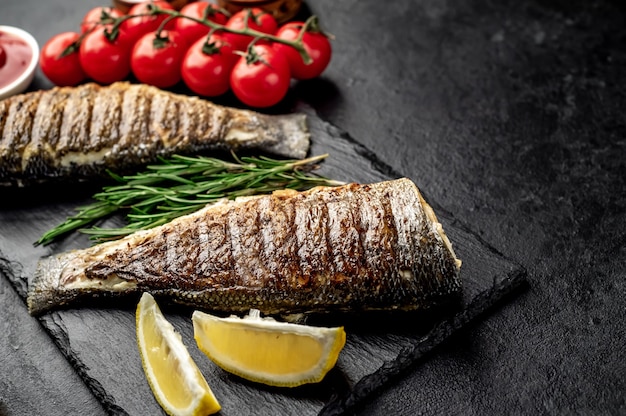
(348, 248)
(79, 132)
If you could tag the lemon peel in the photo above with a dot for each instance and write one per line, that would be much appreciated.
(266, 351)
(177, 383)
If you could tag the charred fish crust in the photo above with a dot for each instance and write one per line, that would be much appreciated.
(4, 104)
(311, 231)
(133, 126)
(74, 125)
(344, 234)
(278, 249)
(80, 132)
(379, 234)
(16, 134)
(215, 256)
(246, 247)
(164, 119)
(51, 109)
(350, 248)
(5, 145)
(181, 258)
(86, 114)
(36, 155)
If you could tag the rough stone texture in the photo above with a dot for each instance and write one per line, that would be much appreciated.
(36, 379)
(99, 341)
(510, 115)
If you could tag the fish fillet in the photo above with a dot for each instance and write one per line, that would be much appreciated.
(79, 132)
(348, 248)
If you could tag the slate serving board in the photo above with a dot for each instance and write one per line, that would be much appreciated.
(100, 342)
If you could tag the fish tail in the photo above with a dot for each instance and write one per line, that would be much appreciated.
(44, 291)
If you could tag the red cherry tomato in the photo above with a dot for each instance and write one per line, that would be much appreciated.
(136, 27)
(193, 30)
(263, 82)
(103, 60)
(315, 43)
(63, 70)
(207, 65)
(257, 19)
(92, 18)
(156, 61)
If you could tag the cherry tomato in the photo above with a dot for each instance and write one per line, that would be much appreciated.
(156, 61)
(103, 60)
(315, 43)
(63, 70)
(92, 18)
(262, 82)
(257, 19)
(207, 65)
(192, 30)
(136, 27)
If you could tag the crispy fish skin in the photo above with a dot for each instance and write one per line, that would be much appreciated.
(79, 132)
(348, 248)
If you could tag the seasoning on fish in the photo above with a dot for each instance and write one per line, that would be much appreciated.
(79, 132)
(348, 248)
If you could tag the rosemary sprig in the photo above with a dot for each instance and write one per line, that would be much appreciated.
(181, 185)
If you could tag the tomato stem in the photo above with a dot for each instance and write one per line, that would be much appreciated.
(74, 46)
(251, 55)
(160, 41)
(163, 24)
(311, 24)
(210, 48)
(297, 44)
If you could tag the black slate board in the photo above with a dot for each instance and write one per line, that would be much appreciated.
(100, 342)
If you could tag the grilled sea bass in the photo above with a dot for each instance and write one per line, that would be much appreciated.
(80, 132)
(348, 248)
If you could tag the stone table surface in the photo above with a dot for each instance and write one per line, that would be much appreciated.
(509, 114)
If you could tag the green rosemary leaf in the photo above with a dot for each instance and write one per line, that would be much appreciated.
(85, 216)
(180, 185)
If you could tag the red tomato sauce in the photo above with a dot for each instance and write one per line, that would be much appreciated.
(15, 55)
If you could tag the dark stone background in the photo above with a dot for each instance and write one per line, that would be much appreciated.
(510, 115)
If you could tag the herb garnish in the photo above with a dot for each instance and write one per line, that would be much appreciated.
(180, 185)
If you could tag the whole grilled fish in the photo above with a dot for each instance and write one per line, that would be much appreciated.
(348, 248)
(79, 132)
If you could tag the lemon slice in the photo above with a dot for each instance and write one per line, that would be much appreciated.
(267, 351)
(176, 381)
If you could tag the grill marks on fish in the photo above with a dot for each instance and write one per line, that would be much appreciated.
(17, 126)
(352, 248)
(82, 131)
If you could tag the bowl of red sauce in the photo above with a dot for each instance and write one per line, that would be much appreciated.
(19, 55)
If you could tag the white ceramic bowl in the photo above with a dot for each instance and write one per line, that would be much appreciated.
(23, 81)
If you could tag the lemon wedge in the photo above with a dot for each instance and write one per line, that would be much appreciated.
(267, 351)
(176, 381)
